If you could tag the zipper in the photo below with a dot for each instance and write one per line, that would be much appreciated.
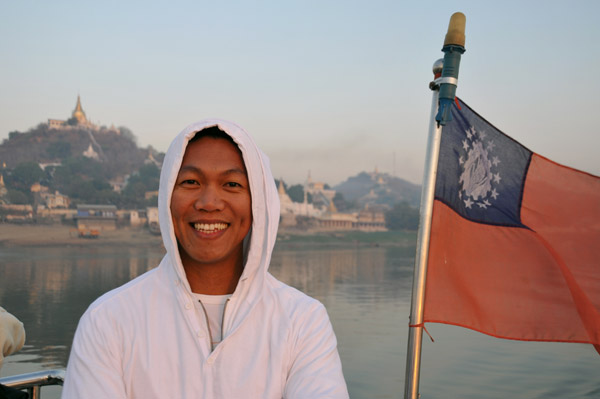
(223, 319)
(210, 341)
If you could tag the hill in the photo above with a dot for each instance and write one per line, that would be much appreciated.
(379, 188)
(115, 149)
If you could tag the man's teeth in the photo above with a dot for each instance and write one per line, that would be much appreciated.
(210, 228)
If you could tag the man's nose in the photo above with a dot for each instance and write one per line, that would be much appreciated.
(209, 199)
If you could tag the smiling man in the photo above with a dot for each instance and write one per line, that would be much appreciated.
(210, 321)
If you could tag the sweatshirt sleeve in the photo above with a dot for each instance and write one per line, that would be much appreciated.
(316, 370)
(94, 369)
(12, 334)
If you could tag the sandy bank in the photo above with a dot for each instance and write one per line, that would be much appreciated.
(58, 235)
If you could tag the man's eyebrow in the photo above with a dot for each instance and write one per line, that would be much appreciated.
(235, 171)
(191, 168)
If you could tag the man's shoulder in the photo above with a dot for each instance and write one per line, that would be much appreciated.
(126, 295)
(294, 301)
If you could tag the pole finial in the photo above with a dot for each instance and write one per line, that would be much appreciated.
(456, 30)
(437, 68)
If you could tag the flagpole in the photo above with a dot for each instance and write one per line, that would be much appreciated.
(444, 88)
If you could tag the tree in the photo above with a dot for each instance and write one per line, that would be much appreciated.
(59, 150)
(296, 193)
(18, 197)
(340, 202)
(24, 175)
(126, 132)
(402, 217)
(150, 176)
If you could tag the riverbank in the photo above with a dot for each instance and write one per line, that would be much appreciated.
(28, 235)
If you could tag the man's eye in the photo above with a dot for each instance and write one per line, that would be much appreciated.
(232, 184)
(189, 181)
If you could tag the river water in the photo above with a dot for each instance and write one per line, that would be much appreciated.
(366, 292)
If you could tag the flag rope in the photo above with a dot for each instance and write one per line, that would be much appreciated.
(424, 328)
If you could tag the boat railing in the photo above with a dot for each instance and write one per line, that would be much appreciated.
(33, 382)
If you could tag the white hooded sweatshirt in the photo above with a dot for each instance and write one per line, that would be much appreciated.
(146, 339)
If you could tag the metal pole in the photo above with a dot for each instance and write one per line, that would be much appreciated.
(415, 333)
(444, 87)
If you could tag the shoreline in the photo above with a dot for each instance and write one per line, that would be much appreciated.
(29, 235)
(42, 235)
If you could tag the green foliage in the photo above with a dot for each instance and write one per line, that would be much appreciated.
(146, 179)
(24, 175)
(340, 202)
(296, 193)
(149, 175)
(59, 150)
(402, 217)
(18, 197)
(127, 133)
(84, 181)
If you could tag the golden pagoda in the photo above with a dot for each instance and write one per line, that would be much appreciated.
(78, 113)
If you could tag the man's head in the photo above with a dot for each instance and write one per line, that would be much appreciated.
(211, 205)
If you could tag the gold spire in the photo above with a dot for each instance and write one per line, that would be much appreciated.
(78, 112)
(332, 208)
(281, 188)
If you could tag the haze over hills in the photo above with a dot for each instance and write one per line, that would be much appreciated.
(115, 149)
(86, 162)
(379, 188)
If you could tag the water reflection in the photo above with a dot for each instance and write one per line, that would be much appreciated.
(48, 289)
(367, 295)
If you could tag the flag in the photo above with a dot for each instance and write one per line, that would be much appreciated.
(515, 239)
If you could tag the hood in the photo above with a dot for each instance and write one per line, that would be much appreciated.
(265, 205)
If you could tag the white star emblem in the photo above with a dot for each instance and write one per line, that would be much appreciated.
(465, 145)
(470, 132)
(491, 145)
(497, 177)
(468, 203)
(481, 205)
(494, 194)
(495, 161)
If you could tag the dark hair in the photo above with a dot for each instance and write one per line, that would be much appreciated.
(212, 132)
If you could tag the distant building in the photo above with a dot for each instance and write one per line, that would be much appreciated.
(290, 209)
(78, 115)
(138, 217)
(90, 153)
(16, 213)
(150, 194)
(119, 183)
(371, 219)
(153, 225)
(3, 190)
(321, 197)
(56, 200)
(96, 217)
(365, 220)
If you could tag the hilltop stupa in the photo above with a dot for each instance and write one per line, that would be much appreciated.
(78, 115)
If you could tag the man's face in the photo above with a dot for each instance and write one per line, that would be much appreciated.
(211, 205)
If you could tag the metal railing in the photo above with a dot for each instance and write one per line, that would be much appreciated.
(33, 382)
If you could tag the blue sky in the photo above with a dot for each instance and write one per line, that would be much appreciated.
(334, 87)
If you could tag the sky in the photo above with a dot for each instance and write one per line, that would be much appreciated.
(327, 87)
